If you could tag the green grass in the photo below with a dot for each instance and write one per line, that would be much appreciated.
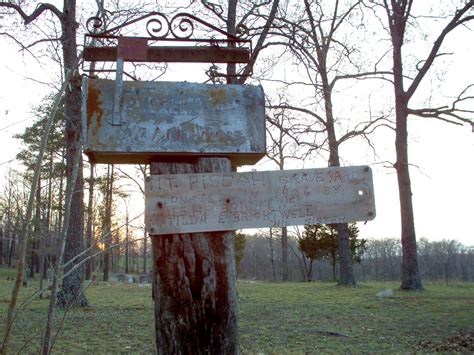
(273, 318)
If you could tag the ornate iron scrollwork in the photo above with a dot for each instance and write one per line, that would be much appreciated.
(159, 26)
(98, 24)
(184, 25)
(106, 40)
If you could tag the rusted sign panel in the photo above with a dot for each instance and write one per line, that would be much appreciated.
(157, 119)
(185, 203)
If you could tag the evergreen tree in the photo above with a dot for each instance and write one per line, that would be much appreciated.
(320, 241)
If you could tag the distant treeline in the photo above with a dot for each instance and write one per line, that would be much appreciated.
(260, 259)
(444, 260)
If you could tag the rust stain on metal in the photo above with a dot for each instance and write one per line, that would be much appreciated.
(218, 96)
(94, 104)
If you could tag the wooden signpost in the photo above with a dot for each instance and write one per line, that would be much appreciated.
(193, 136)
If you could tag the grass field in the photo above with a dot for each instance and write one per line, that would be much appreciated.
(273, 318)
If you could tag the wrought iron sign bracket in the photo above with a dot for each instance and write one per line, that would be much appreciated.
(104, 44)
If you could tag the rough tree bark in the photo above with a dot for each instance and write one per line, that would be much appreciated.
(71, 288)
(194, 282)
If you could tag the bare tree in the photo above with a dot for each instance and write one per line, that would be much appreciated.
(67, 18)
(142, 171)
(316, 34)
(281, 147)
(406, 82)
(239, 14)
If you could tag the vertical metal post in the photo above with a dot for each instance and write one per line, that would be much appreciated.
(117, 115)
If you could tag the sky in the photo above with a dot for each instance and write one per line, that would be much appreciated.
(442, 154)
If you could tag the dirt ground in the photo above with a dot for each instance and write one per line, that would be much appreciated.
(462, 342)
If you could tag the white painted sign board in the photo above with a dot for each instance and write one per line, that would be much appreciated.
(191, 203)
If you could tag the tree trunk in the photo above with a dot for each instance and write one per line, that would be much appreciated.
(272, 255)
(310, 270)
(59, 221)
(71, 288)
(231, 23)
(333, 264)
(89, 229)
(11, 250)
(108, 222)
(35, 242)
(1, 245)
(8, 223)
(145, 234)
(284, 254)
(194, 282)
(40, 274)
(304, 266)
(126, 242)
(145, 250)
(47, 243)
(410, 274)
(346, 272)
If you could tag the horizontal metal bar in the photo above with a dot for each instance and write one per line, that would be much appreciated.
(175, 54)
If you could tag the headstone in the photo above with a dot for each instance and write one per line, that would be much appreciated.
(145, 279)
(113, 280)
(385, 293)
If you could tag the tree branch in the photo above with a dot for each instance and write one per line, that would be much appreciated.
(448, 114)
(38, 11)
(299, 109)
(455, 22)
(260, 42)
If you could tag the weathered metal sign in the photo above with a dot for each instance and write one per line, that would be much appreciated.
(186, 203)
(156, 119)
